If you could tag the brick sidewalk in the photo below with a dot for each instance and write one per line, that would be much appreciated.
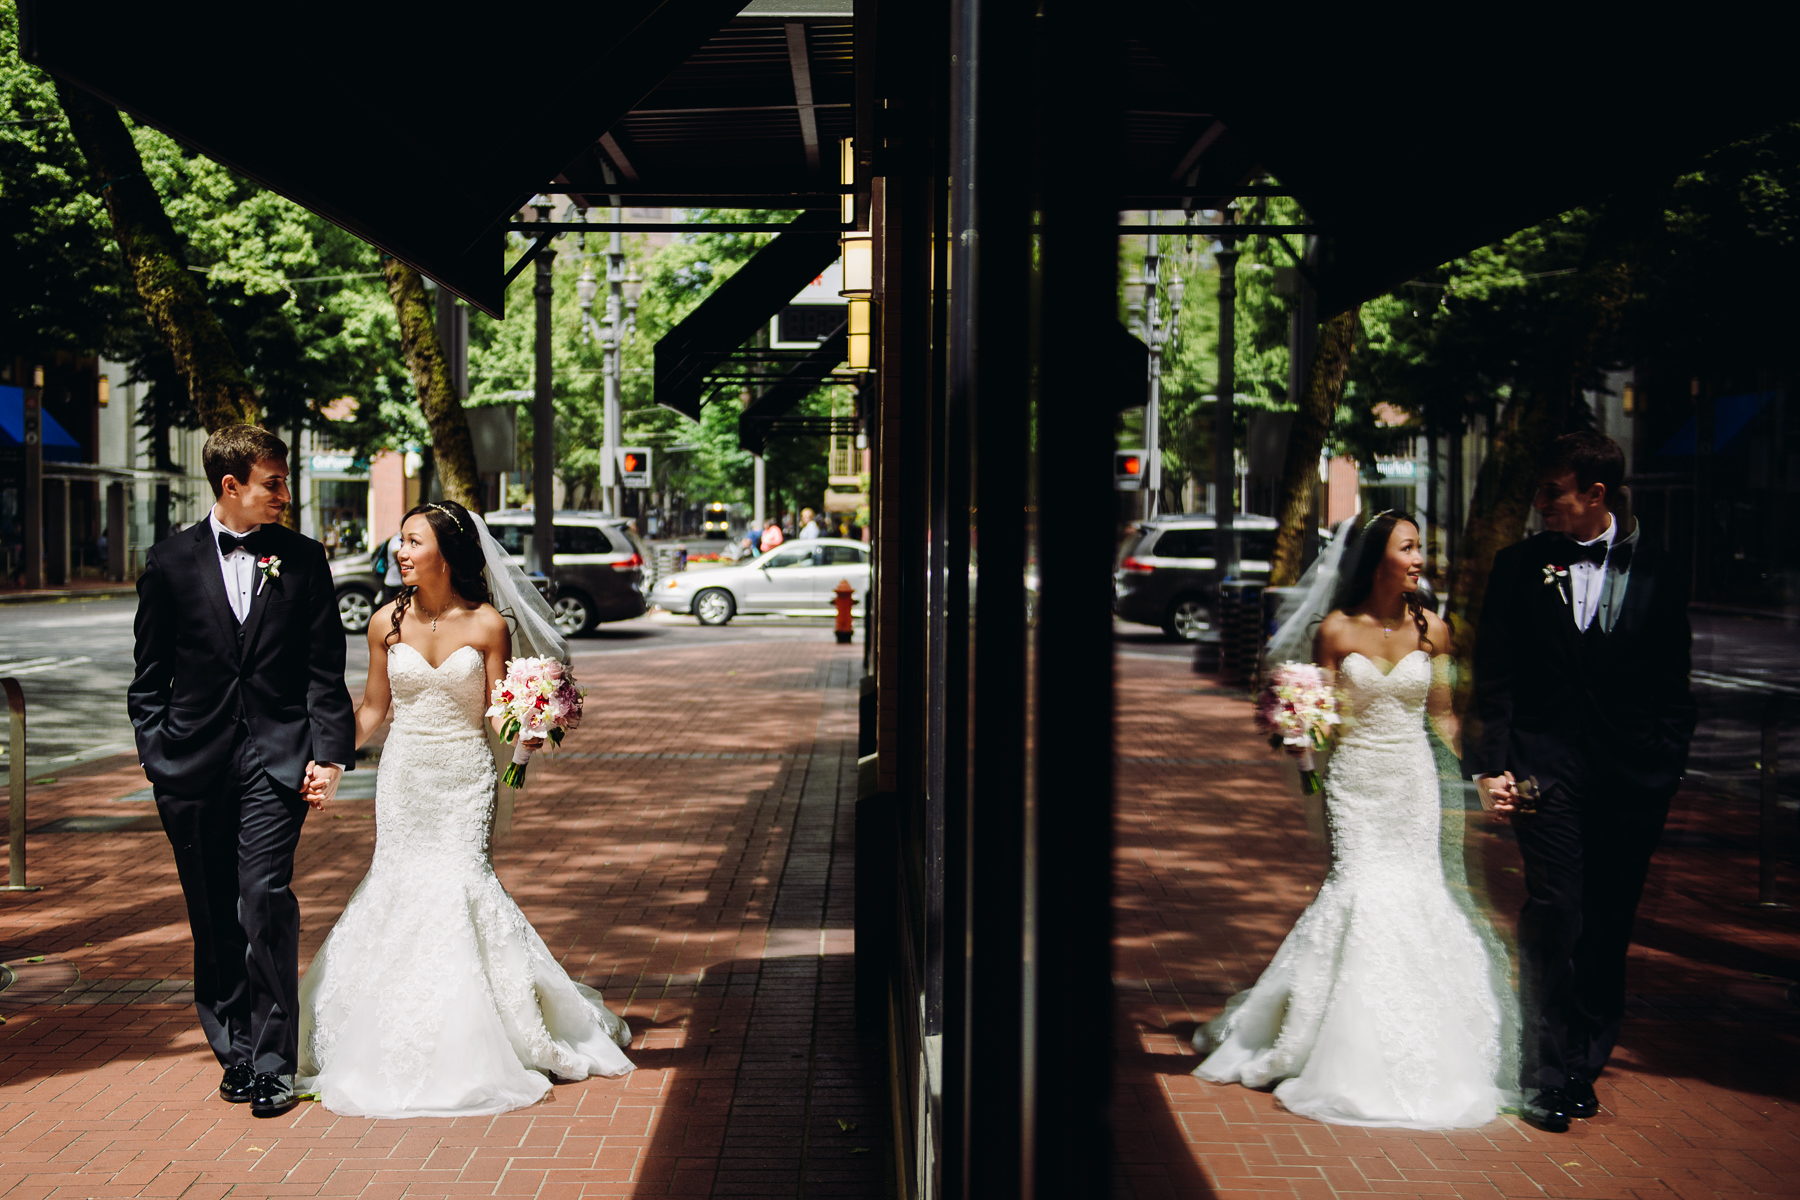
(1702, 1099)
(688, 853)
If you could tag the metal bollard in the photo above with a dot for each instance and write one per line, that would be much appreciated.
(1771, 807)
(16, 773)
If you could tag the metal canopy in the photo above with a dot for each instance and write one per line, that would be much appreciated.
(1406, 147)
(737, 308)
(358, 109)
(1413, 145)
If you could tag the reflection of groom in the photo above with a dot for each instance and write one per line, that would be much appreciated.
(240, 708)
(1581, 689)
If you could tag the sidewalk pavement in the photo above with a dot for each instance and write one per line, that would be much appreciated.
(75, 589)
(688, 853)
(1702, 1099)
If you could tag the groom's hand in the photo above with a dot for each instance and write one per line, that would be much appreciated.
(321, 783)
(1498, 796)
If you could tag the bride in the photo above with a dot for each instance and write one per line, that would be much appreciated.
(433, 995)
(1383, 1007)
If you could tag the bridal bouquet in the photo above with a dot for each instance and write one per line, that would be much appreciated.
(537, 699)
(1297, 711)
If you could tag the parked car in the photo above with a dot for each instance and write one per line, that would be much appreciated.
(599, 563)
(791, 577)
(1166, 574)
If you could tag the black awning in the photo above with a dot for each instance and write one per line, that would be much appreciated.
(421, 129)
(722, 322)
(764, 416)
(1412, 141)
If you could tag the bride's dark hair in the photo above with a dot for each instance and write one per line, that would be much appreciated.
(455, 530)
(1368, 550)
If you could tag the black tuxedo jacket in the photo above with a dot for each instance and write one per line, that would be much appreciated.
(1567, 706)
(196, 677)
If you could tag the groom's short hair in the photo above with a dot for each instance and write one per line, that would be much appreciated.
(1592, 458)
(234, 449)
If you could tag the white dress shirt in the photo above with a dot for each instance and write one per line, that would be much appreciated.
(1586, 579)
(238, 568)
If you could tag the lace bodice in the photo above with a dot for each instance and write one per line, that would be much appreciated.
(1384, 707)
(443, 701)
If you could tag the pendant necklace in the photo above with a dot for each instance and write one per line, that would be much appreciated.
(434, 617)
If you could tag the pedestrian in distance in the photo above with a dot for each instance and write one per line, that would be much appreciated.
(809, 525)
(242, 723)
(772, 536)
(1585, 715)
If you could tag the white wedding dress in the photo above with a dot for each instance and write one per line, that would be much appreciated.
(1385, 1006)
(433, 996)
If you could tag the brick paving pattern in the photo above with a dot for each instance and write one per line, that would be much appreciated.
(689, 854)
(1702, 1099)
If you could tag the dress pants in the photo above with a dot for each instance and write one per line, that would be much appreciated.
(1586, 853)
(234, 850)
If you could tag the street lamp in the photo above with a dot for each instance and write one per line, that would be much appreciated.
(1143, 304)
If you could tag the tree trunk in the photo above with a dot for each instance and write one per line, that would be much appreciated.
(1300, 472)
(453, 449)
(172, 297)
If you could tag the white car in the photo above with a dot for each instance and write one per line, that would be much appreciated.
(793, 577)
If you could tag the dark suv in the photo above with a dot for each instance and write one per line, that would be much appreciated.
(600, 563)
(1166, 574)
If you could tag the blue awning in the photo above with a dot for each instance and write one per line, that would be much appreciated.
(1731, 415)
(58, 445)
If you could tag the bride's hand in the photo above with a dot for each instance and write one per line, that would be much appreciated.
(532, 743)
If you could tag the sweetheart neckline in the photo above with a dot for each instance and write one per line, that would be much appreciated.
(1395, 667)
(428, 663)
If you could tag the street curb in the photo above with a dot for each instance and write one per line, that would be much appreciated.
(123, 591)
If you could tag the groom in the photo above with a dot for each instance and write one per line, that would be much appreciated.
(242, 721)
(1581, 695)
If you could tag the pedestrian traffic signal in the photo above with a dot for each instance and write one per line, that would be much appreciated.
(1128, 470)
(634, 467)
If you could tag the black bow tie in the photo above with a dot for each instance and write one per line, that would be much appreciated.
(1594, 552)
(229, 541)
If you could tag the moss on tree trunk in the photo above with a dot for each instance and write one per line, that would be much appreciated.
(1300, 472)
(171, 295)
(453, 450)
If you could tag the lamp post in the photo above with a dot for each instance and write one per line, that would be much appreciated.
(1156, 334)
(1225, 545)
(543, 414)
(620, 323)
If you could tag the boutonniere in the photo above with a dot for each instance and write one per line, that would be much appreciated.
(1558, 578)
(270, 567)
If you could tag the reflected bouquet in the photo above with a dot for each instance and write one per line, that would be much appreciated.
(1297, 710)
(536, 699)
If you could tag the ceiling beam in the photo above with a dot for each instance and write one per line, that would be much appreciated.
(1206, 139)
(803, 92)
(616, 152)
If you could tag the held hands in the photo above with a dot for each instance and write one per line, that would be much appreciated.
(1499, 795)
(321, 784)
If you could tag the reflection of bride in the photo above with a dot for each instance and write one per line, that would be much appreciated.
(1385, 1005)
(433, 995)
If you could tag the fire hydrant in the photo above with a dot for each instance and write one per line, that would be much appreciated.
(843, 597)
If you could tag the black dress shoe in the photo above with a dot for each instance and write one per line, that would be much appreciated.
(236, 1085)
(1549, 1110)
(272, 1095)
(1582, 1101)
